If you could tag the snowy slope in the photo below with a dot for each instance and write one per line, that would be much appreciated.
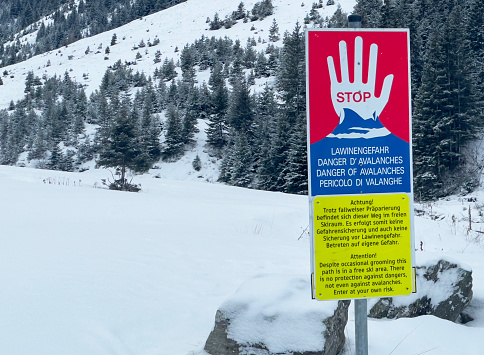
(86, 270)
(175, 27)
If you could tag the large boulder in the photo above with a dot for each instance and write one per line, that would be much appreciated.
(274, 314)
(444, 289)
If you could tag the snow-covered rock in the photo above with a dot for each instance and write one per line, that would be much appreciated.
(444, 289)
(274, 314)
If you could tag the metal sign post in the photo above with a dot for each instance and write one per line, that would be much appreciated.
(361, 327)
(360, 166)
(361, 305)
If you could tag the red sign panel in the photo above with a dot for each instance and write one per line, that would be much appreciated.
(358, 70)
(359, 111)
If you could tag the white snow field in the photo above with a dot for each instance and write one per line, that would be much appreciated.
(85, 270)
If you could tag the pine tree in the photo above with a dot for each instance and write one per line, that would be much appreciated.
(38, 148)
(291, 79)
(370, 12)
(296, 172)
(56, 158)
(274, 31)
(388, 15)
(173, 145)
(148, 136)
(261, 66)
(445, 118)
(250, 57)
(240, 113)
(168, 72)
(428, 106)
(190, 117)
(101, 115)
(475, 36)
(216, 23)
(197, 163)
(240, 13)
(236, 165)
(187, 64)
(120, 151)
(217, 128)
(266, 121)
(157, 58)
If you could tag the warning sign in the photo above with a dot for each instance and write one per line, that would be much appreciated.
(360, 162)
(359, 112)
(362, 246)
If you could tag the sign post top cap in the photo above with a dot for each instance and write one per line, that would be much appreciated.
(354, 21)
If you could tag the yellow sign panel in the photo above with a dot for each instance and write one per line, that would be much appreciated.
(362, 246)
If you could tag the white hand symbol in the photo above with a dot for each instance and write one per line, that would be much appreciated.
(358, 96)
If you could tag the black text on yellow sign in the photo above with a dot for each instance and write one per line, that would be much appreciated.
(362, 246)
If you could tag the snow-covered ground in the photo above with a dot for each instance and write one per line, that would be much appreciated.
(85, 270)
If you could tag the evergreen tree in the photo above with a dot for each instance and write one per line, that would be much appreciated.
(56, 158)
(236, 165)
(187, 64)
(445, 118)
(168, 72)
(296, 172)
(261, 66)
(475, 36)
(173, 145)
(250, 57)
(370, 12)
(39, 142)
(266, 122)
(120, 150)
(240, 13)
(291, 79)
(197, 163)
(240, 113)
(157, 58)
(388, 15)
(216, 131)
(216, 23)
(148, 137)
(190, 117)
(101, 115)
(274, 31)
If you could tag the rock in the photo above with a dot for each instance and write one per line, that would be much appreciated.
(274, 314)
(444, 289)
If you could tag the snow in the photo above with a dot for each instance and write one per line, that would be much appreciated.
(264, 306)
(175, 27)
(86, 270)
(436, 292)
(91, 271)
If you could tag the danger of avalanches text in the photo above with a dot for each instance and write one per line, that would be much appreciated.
(363, 275)
(334, 171)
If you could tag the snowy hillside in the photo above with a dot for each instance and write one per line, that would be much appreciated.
(86, 62)
(174, 27)
(91, 271)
